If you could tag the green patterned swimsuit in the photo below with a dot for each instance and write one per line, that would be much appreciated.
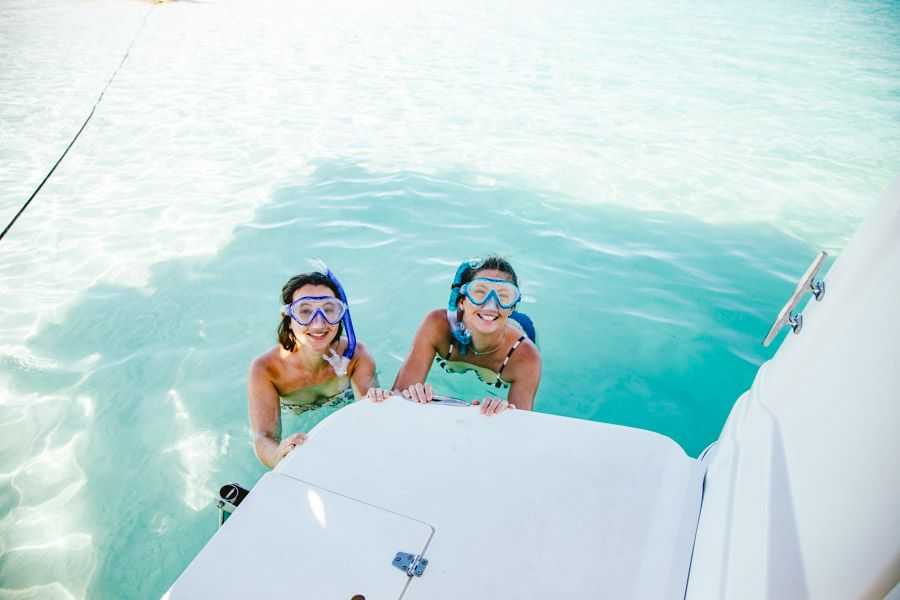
(305, 399)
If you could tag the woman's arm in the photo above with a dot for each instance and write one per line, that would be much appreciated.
(524, 372)
(362, 375)
(412, 375)
(265, 417)
(523, 383)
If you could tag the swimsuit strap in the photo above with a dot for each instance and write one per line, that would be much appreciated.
(450, 352)
(508, 354)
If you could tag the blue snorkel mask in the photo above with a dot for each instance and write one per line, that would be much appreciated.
(338, 362)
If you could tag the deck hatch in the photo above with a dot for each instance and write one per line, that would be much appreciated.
(293, 535)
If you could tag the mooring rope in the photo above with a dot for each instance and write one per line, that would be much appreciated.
(83, 125)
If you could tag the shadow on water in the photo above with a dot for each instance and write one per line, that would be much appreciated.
(646, 319)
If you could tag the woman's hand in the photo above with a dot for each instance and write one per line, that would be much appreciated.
(493, 406)
(419, 393)
(376, 394)
(288, 444)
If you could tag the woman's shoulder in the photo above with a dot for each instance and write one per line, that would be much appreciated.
(524, 364)
(435, 327)
(437, 316)
(360, 354)
(435, 322)
(526, 354)
(268, 362)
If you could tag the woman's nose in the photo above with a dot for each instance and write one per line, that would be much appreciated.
(491, 303)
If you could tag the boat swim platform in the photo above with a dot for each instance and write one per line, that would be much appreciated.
(517, 505)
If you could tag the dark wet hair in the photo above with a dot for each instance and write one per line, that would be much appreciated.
(493, 262)
(285, 335)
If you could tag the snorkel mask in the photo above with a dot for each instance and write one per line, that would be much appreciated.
(305, 310)
(495, 293)
(338, 362)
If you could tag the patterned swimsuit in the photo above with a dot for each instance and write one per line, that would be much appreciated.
(483, 373)
(342, 398)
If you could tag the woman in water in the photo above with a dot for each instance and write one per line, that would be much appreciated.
(312, 365)
(479, 331)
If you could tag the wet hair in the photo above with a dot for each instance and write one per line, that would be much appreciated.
(285, 335)
(493, 262)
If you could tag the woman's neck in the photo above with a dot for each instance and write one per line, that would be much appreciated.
(486, 343)
(309, 359)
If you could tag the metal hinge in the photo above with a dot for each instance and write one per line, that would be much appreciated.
(413, 564)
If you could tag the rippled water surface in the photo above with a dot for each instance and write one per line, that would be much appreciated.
(660, 174)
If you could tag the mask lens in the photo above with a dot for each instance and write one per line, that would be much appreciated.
(508, 295)
(478, 291)
(303, 311)
(333, 310)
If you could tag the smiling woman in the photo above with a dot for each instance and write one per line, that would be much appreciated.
(312, 366)
(480, 331)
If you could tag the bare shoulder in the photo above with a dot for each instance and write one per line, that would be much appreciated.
(435, 328)
(267, 363)
(436, 319)
(362, 354)
(525, 358)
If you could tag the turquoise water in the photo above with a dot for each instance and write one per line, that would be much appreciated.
(660, 176)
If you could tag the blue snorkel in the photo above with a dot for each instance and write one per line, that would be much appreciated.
(462, 335)
(337, 362)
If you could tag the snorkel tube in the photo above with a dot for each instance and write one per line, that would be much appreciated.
(339, 363)
(462, 335)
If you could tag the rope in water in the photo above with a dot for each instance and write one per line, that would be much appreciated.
(83, 125)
